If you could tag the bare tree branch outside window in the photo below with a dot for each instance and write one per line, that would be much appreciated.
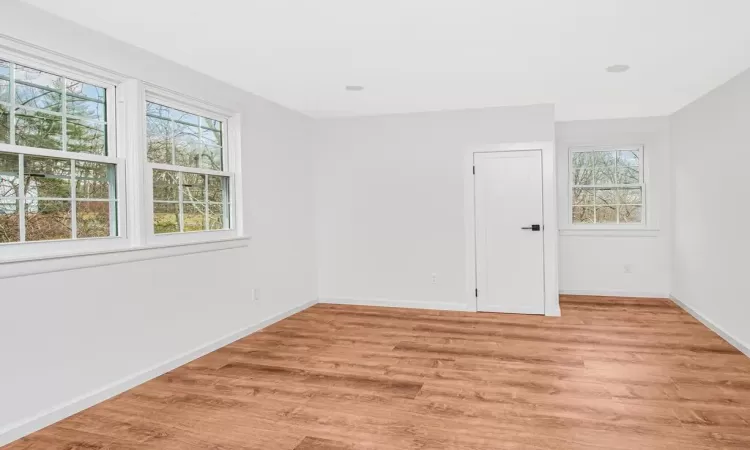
(606, 186)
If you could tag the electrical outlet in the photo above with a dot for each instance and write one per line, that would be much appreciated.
(434, 278)
(628, 268)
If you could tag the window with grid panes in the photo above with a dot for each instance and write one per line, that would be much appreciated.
(186, 154)
(58, 171)
(606, 186)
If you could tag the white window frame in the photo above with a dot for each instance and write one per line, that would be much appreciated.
(642, 184)
(231, 151)
(51, 63)
(126, 118)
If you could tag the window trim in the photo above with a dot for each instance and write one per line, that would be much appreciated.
(126, 98)
(231, 150)
(82, 259)
(38, 59)
(643, 225)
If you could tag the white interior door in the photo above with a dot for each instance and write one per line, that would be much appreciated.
(509, 237)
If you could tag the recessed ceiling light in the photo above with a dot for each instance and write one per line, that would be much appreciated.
(355, 88)
(618, 68)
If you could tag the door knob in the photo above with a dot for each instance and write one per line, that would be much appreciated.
(532, 228)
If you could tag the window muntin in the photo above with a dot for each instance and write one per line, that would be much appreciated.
(190, 183)
(185, 201)
(42, 110)
(57, 178)
(44, 198)
(183, 139)
(606, 186)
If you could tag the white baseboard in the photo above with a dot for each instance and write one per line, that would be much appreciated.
(45, 418)
(445, 306)
(736, 343)
(614, 293)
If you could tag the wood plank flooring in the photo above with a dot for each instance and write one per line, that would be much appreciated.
(608, 374)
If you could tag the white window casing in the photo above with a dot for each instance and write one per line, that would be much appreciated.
(231, 150)
(583, 209)
(133, 238)
(23, 249)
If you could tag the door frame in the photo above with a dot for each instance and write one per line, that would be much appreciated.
(549, 209)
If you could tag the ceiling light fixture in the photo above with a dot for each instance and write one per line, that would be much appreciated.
(618, 68)
(355, 88)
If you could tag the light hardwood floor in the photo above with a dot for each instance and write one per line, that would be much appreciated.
(608, 374)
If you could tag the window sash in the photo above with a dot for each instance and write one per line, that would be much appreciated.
(641, 184)
(162, 98)
(117, 206)
(173, 141)
(110, 145)
(226, 203)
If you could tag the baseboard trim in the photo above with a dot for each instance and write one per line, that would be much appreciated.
(614, 293)
(27, 426)
(700, 317)
(443, 306)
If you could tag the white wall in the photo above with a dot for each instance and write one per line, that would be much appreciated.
(385, 207)
(595, 262)
(390, 201)
(66, 334)
(711, 157)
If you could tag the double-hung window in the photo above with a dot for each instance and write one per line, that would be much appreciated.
(607, 186)
(188, 170)
(59, 170)
(71, 184)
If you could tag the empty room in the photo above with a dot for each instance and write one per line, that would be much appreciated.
(374, 224)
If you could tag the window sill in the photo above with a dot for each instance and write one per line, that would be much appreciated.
(10, 268)
(611, 232)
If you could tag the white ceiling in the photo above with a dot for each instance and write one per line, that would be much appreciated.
(420, 55)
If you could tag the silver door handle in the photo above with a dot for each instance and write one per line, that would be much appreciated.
(534, 227)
